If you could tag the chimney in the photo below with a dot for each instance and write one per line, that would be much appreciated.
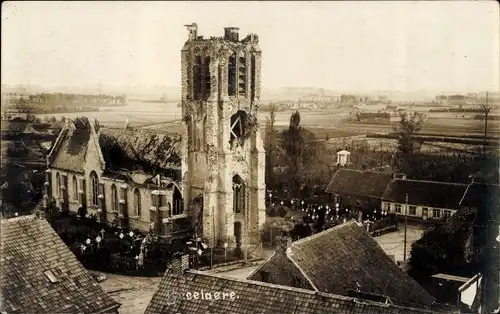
(179, 264)
(231, 33)
(283, 245)
(193, 31)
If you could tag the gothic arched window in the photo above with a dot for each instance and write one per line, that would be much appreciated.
(114, 199)
(206, 78)
(238, 125)
(239, 197)
(137, 202)
(94, 186)
(58, 183)
(197, 78)
(231, 76)
(75, 189)
(177, 200)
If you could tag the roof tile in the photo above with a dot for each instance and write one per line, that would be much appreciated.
(29, 245)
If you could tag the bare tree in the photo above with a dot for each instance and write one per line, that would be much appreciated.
(270, 145)
(485, 110)
(407, 145)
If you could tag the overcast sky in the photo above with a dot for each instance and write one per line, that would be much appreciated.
(368, 46)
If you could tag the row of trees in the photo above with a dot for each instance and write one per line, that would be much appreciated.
(55, 99)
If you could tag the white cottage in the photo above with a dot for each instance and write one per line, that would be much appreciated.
(343, 158)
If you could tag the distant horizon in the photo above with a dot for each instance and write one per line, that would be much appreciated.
(146, 88)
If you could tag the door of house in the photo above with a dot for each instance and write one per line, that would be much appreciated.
(237, 233)
(65, 194)
(425, 213)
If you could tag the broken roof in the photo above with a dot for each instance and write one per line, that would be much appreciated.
(71, 146)
(39, 274)
(131, 148)
(346, 258)
(121, 149)
(357, 182)
(425, 193)
(254, 297)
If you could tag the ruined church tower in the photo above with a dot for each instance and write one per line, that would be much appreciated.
(223, 158)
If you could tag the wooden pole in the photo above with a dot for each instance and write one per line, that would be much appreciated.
(245, 252)
(406, 223)
(486, 112)
(213, 240)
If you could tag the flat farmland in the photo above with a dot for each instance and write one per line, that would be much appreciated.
(331, 123)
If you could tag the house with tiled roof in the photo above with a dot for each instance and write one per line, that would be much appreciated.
(16, 128)
(39, 274)
(126, 177)
(186, 291)
(343, 260)
(350, 187)
(423, 199)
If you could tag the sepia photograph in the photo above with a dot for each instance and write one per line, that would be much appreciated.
(240, 157)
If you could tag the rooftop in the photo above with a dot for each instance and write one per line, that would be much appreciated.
(39, 274)
(357, 182)
(425, 193)
(346, 258)
(121, 148)
(253, 297)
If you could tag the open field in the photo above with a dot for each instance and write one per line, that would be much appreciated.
(334, 123)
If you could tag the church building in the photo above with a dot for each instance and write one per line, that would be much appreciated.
(223, 158)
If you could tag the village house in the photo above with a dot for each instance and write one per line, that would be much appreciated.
(184, 291)
(126, 177)
(343, 260)
(423, 200)
(17, 128)
(40, 274)
(357, 188)
(343, 158)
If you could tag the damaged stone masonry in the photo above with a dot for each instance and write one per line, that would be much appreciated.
(222, 151)
(208, 180)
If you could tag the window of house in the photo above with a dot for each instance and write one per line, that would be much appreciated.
(137, 202)
(425, 211)
(436, 213)
(397, 208)
(387, 207)
(58, 183)
(238, 195)
(114, 199)
(412, 210)
(178, 207)
(446, 214)
(76, 195)
(94, 188)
